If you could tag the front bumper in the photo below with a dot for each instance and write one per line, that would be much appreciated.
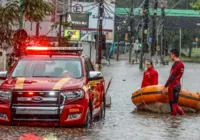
(70, 115)
(41, 108)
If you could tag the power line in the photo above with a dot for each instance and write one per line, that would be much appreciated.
(174, 6)
(108, 8)
(108, 11)
(114, 7)
(91, 8)
(95, 4)
(117, 2)
(142, 4)
(121, 21)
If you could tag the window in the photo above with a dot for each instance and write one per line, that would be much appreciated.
(86, 69)
(89, 64)
(48, 68)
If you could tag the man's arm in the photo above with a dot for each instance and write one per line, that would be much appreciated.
(173, 74)
(171, 78)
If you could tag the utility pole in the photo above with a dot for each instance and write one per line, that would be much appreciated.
(118, 29)
(162, 35)
(144, 39)
(100, 33)
(60, 31)
(130, 29)
(154, 44)
(180, 41)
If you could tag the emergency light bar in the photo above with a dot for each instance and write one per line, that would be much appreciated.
(35, 48)
(52, 50)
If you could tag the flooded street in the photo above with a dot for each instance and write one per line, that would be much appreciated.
(122, 122)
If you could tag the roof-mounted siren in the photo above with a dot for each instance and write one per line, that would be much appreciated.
(38, 50)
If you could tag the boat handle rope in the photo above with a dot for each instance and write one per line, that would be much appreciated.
(146, 104)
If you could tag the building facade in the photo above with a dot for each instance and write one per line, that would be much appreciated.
(76, 7)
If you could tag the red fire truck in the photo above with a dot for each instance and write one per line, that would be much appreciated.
(52, 86)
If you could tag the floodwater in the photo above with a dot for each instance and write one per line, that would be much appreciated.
(122, 121)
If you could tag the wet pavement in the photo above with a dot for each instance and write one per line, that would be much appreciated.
(122, 122)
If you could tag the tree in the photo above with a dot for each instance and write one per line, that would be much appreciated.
(195, 5)
(9, 17)
(188, 36)
(36, 10)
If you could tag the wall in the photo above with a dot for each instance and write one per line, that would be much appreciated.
(86, 50)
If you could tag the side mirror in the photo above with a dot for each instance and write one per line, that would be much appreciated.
(3, 75)
(95, 75)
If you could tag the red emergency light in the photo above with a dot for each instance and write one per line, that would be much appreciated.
(30, 93)
(35, 50)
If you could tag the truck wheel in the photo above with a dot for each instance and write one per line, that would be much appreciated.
(102, 110)
(88, 121)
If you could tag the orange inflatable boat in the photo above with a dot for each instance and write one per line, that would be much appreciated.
(150, 98)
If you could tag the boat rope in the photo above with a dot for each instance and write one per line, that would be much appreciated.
(153, 110)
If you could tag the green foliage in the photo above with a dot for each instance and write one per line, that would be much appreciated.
(36, 10)
(196, 5)
(9, 17)
(188, 36)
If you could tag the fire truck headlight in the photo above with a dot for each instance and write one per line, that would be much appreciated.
(52, 93)
(74, 95)
(5, 95)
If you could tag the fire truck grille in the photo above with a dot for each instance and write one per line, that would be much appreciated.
(37, 106)
(37, 98)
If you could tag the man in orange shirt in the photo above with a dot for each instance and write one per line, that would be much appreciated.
(150, 77)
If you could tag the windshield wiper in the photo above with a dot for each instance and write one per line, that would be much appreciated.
(17, 76)
(45, 76)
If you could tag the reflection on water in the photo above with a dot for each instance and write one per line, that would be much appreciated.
(40, 133)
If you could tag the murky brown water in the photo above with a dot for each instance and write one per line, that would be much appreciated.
(122, 122)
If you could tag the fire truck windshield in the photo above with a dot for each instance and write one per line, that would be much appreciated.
(48, 68)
